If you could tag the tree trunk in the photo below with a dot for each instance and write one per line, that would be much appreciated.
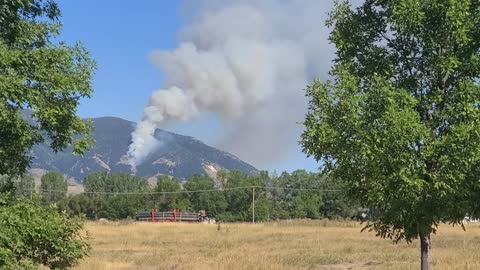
(425, 247)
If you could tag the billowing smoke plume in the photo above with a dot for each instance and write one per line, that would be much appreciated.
(248, 61)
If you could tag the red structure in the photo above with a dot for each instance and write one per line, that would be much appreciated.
(176, 215)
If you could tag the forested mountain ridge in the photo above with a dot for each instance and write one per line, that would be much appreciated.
(179, 156)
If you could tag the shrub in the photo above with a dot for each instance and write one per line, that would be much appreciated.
(32, 235)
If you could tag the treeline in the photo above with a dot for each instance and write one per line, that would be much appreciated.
(229, 197)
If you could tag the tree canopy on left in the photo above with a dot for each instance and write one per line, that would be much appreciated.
(42, 81)
(40, 74)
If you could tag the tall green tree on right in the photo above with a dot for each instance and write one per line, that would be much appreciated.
(399, 121)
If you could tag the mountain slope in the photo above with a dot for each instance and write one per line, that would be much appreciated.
(180, 156)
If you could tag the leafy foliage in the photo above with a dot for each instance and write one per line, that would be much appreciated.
(399, 123)
(114, 182)
(300, 203)
(111, 206)
(169, 201)
(31, 235)
(48, 78)
(213, 202)
(82, 204)
(54, 187)
(21, 187)
(43, 75)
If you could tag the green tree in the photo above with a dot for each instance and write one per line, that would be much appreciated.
(170, 198)
(54, 187)
(31, 235)
(278, 196)
(222, 177)
(298, 194)
(239, 196)
(114, 182)
(23, 186)
(102, 200)
(121, 206)
(399, 122)
(335, 201)
(6, 184)
(43, 75)
(238, 200)
(79, 204)
(306, 202)
(213, 202)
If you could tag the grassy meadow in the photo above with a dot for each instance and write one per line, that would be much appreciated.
(275, 245)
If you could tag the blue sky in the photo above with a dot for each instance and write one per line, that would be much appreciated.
(120, 35)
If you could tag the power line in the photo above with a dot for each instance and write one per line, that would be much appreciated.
(188, 191)
(301, 189)
(141, 193)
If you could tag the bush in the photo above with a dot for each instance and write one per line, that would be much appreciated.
(31, 235)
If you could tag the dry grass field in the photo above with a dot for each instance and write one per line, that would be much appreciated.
(280, 245)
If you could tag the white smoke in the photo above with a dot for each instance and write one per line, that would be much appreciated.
(248, 61)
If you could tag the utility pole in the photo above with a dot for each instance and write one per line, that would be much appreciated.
(253, 206)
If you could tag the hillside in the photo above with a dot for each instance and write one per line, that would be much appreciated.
(179, 156)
